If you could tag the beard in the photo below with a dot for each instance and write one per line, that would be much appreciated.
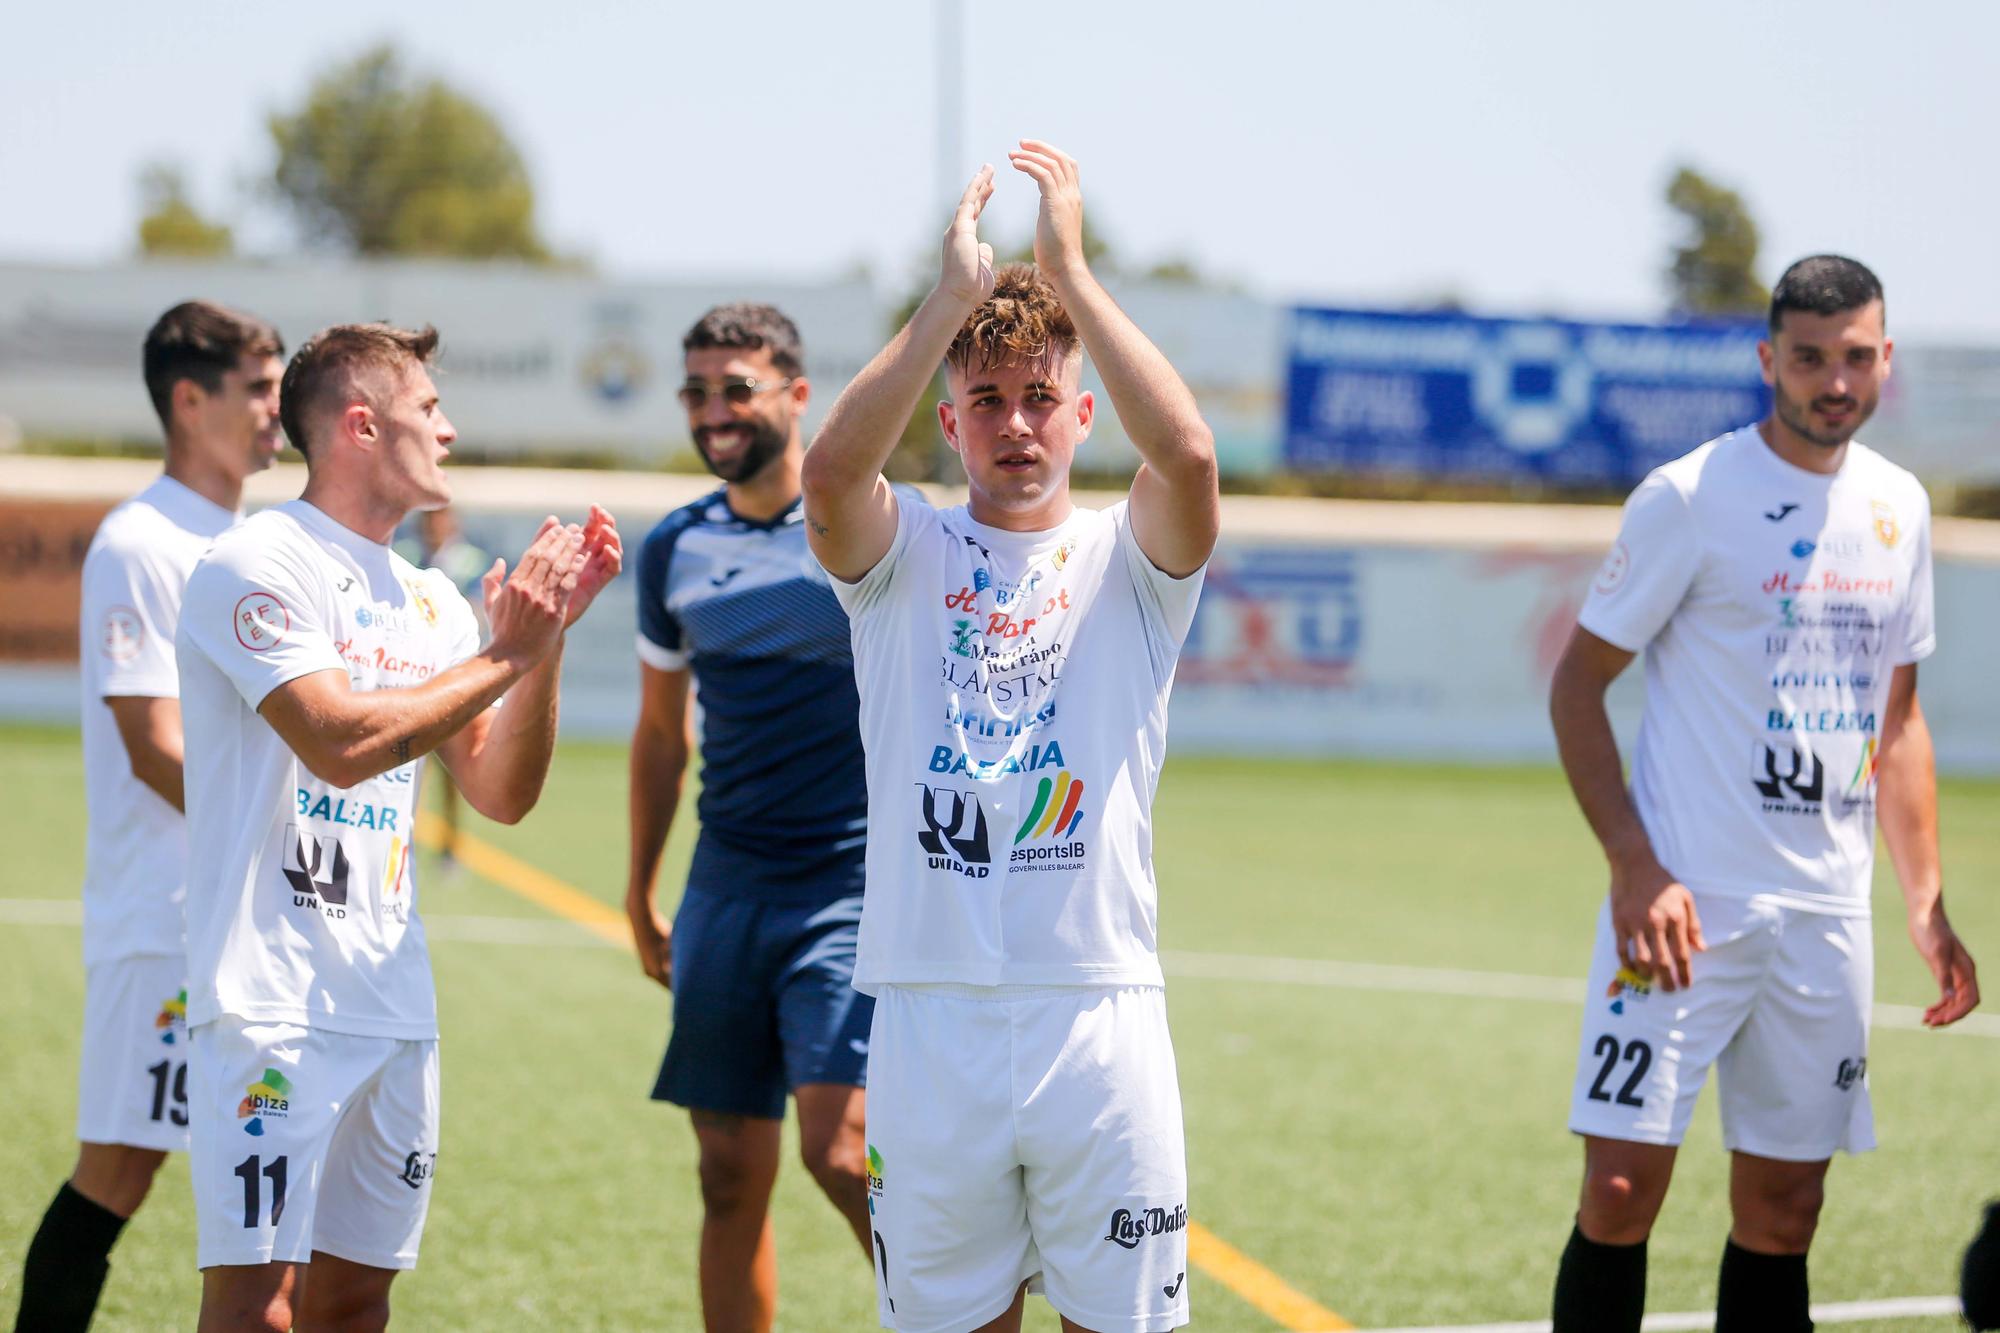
(766, 442)
(1796, 416)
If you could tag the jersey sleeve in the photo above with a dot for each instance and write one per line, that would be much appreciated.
(1918, 639)
(660, 643)
(1168, 603)
(914, 517)
(250, 612)
(1648, 570)
(127, 622)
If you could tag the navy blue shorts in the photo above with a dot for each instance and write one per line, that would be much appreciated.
(763, 1002)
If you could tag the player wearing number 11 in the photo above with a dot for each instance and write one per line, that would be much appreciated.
(319, 670)
(1779, 582)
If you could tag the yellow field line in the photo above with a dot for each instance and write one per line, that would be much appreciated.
(1250, 1280)
(1257, 1284)
(544, 890)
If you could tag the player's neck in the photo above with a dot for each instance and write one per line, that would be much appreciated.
(1050, 512)
(1800, 452)
(353, 508)
(772, 491)
(211, 483)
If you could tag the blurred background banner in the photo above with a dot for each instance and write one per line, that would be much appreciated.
(1448, 395)
(534, 358)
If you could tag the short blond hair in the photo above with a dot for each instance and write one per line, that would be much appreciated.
(1023, 321)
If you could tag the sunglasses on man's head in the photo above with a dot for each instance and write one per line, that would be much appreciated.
(736, 390)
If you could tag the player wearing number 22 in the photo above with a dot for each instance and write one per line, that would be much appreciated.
(1778, 581)
(318, 670)
(1014, 658)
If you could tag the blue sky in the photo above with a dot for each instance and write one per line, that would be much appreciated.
(1510, 154)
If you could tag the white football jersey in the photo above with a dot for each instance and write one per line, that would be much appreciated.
(302, 896)
(1772, 605)
(1014, 694)
(135, 852)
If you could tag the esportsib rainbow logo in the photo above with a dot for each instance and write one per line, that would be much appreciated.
(269, 1097)
(172, 1017)
(1057, 809)
(1864, 772)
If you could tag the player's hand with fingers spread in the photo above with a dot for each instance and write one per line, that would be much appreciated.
(1655, 925)
(526, 609)
(1951, 963)
(1059, 220)
(602, 556)
(967, 274)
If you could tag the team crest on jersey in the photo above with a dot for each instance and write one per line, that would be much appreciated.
(1886, 530)
(425, 606)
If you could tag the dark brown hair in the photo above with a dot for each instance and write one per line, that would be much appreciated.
(1023, 321)
(328, 363)
(200, 341)
(749, 325)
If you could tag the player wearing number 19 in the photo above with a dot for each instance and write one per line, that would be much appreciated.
(1779, 582)
(318, 669)
(213, 377)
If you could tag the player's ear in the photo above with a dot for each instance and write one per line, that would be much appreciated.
(357, 421)
(948, 422)
(1767, 360)
(1086, 413)
(800, 392)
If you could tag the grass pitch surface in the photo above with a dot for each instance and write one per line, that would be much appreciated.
(1397, 1156)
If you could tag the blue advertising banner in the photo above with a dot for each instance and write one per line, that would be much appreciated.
(1448, 395)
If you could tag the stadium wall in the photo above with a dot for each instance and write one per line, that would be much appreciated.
(1327, 628)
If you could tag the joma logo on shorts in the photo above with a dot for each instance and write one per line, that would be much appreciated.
(1129, 1228)
(1850, 1073)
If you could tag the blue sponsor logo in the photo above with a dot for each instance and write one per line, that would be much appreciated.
(1803, 548)
(944, 759)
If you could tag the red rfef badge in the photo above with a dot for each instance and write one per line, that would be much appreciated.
(261, 622)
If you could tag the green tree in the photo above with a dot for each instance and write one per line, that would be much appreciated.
(1715, 269)
(382, 161)
(170, 225)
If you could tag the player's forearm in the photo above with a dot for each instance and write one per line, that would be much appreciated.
(1906, 809)
(1590, 760)
(861, 430)
(346, 737)
(157, 762)
(658, 772)
(1154, 405)
(504, 772)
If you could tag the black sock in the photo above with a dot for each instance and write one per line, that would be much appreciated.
(1600, 1288)
(1761, 1293)
(1979, 1279)
(66, 1264)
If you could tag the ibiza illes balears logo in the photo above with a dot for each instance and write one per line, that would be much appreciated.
(954, 837)
(172, 1018)
(269, 1098)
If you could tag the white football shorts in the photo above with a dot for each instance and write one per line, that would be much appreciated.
(1016, 1133)
(132, 1079)
(1779, 1005)
(307, 1140)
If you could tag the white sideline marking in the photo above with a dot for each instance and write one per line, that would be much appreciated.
(1842, 1312)
(1238, 967)
(1243, 967)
